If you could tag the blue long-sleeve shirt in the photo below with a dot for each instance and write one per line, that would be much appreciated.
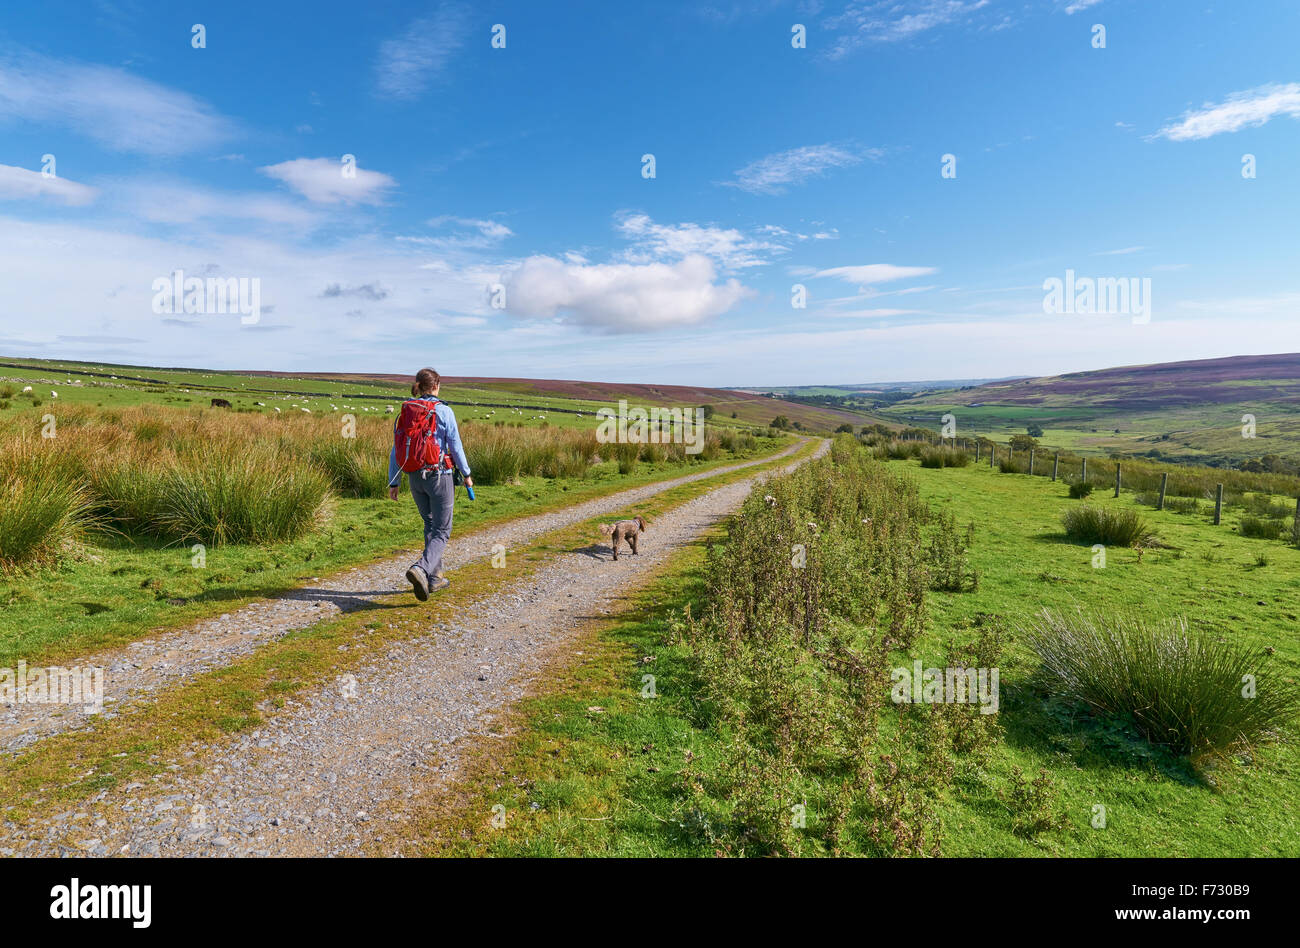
(447, 436)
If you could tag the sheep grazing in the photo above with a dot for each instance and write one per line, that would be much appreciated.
(54, 394)
(26, 389)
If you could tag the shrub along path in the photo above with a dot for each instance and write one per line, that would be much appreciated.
(135, 671)
(329, 772)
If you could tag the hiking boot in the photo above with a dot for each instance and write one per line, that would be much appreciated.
(439, 584)
(420, 584)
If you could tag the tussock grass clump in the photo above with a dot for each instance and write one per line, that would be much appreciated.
(1080, 490)
(1182, 688)
(626, 454)
(1263, 505)
(940, 457)
(501, 454)
(234, 494)
(1260, 528)
(255, 496)
(356, 467)
(42, 509)
(899, 450)
(1113, 527)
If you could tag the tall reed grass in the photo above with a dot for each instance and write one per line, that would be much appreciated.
(42, 510)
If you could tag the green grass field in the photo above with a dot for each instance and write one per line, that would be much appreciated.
(598, 770)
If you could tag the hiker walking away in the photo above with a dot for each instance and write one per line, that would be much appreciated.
(426, 447)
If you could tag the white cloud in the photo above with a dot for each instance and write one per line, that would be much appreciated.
(871, 313)
(408, 64)
(183, 203)
(872, 273)
(774, 173)
(1077, 5)
(621, 297)
(1248, 109)
(323, 180)
(120, 111)
(726, 245)
(475, 233)
(20, 184)
(890, 21)
(1120, 252)
(64, 281)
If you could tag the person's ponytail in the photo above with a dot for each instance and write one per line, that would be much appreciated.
(426, 380)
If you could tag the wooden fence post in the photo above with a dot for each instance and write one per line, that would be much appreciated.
(1218, 504)
(1084, 475)
(977, 452)
(1164, 482)
(1116, 478)
(1031, 460)
(993, 454)
(1056, 464)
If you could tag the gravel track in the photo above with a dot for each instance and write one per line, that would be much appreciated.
(333, 767)
(133, 672)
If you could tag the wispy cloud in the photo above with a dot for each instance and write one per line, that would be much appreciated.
(1120, 252)
(726, 245)
(890, 21)
(21, 184)
(120, 111)
(774, 173)
(180, 202)
(1248, 109)
(408, 64)
(872, 273)
(1075, 6)
(366, 291)
(471, 233)
(871, 313)
(328, 181)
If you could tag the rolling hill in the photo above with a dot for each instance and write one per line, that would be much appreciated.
(1179, 410)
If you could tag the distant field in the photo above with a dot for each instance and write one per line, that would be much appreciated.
(1181, 410)
(556, 401)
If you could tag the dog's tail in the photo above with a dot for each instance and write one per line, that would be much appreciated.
(606, 529)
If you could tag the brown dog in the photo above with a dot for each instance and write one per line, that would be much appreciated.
(623, 530)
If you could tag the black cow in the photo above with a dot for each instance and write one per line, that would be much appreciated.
(221, 403)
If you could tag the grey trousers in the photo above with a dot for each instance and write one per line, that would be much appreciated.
(435, 496)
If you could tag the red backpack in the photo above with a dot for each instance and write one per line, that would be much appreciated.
(413, 438)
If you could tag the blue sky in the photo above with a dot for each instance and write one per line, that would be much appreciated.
(499, 222)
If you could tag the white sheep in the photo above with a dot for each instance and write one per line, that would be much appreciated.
(54, 394)
(26, 389)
